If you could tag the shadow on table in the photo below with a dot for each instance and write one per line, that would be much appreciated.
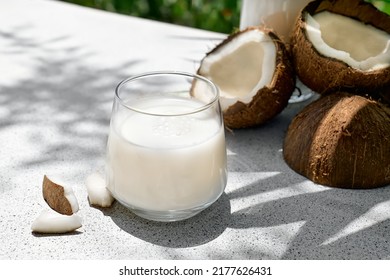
(334, 223)
(198, 230)
(329, 223)
(55, 98)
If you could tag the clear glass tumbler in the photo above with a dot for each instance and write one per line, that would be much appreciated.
(166, 153)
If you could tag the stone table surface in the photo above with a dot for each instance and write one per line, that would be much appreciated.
(59, 65)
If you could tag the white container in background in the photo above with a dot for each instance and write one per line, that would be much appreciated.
(280, 15)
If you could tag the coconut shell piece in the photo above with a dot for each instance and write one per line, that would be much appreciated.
(60, 198)
(326, 75)
(270, 100)
(341, 140)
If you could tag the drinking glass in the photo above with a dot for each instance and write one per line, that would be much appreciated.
(166, 153)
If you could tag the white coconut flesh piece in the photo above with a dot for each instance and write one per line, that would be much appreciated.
(359, 45)
(98, 194)
(50, 221)
(241, 67)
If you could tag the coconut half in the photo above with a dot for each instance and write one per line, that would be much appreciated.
(254, 75)
(343, 45)
(341, 140)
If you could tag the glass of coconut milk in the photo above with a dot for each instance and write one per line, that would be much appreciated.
(166, 153)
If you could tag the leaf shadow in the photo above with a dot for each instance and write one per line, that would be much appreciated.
(64, 88)
(195, 231)
(325, 212)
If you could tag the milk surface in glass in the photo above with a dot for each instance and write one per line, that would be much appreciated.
(164, 162)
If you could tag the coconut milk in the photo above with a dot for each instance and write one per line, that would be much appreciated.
(162, 163)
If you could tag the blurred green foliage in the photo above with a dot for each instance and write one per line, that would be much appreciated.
(383, 5)
(218, 15)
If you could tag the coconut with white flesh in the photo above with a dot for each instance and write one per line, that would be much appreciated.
(340, 37)
(254, 76)
(343, 45)
(98, 194)
(50, 221)
(59, 195)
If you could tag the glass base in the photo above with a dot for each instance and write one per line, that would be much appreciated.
(168, 215)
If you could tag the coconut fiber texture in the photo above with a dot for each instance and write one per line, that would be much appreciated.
(341, 140)
(325, 75)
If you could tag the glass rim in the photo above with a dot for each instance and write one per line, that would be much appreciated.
(161, 73)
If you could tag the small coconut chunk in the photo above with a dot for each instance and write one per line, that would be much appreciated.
(98, 194)
(50, 221)
(59, 196)
(359, 45)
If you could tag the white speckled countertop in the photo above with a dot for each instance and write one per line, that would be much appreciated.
(59, 65)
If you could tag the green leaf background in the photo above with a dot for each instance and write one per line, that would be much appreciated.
(220, 16)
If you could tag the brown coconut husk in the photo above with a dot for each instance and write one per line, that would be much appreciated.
(326, 75)
(54, 195)
(341, 140)
(268, 101)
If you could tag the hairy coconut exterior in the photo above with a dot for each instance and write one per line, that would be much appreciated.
(326, 75)
(268, 101)
(341, 140)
